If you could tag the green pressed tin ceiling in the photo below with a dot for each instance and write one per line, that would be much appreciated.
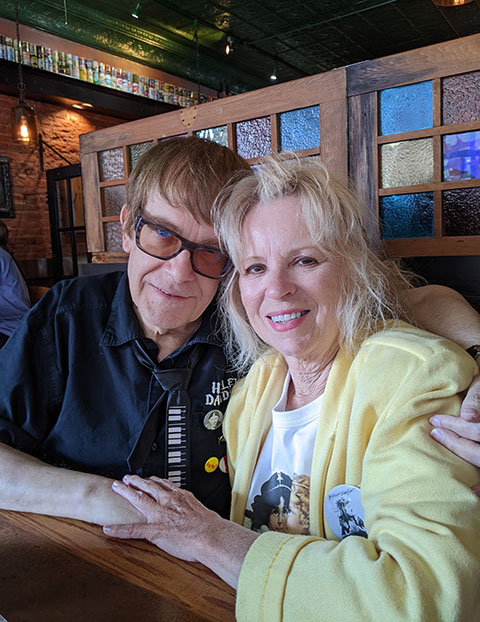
(295, 37)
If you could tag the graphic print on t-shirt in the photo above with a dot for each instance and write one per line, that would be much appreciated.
(282, 505)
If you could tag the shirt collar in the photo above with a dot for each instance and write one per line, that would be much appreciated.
(123, 326)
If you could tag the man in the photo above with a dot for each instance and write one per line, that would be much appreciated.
(119, 373)
(14, 297)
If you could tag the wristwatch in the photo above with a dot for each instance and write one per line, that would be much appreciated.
(474, 351)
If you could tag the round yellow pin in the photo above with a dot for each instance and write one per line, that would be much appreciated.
(211, 464)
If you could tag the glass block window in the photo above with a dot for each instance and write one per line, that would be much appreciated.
(113, 236)
(461, 156)
(407, 163)
(406, 108)
(407, 215)
(461, 98)
(135, 151)
(113, 199)
(461, 212)
(215, 134)
(110, 163)
(254, 138)
(300, 129)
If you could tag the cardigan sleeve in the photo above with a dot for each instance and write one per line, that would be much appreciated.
(421, 560)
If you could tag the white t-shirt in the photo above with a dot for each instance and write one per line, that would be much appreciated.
(279, 498)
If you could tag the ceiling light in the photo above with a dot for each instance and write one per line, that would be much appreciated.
(229, 46)
(274, 74)
(451, 2)
(82, 106)
(24, 123)
(136, 10)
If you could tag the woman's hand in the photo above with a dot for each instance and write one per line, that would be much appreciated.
(180, 525)
(462, 434)
(176, 520)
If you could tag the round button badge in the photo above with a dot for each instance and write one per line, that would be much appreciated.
(213, 419)
(211, 464)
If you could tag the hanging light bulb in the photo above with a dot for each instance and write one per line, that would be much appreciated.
(136, 10)
(24, 123)
(229, 46)
(273, 76)
(451, 2)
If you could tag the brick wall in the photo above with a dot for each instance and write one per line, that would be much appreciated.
(29, 231)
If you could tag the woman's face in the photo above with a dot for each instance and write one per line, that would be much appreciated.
(278, 517)
(288, 287)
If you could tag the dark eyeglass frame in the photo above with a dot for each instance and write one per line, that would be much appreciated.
(187, 245)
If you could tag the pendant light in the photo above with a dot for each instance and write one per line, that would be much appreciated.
(24, 123)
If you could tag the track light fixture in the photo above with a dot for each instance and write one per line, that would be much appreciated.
(136, 10)
(229, 45)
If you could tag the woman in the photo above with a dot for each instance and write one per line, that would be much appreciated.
(339, 401)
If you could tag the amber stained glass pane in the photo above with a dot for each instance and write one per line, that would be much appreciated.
(254, 138)
(461, 98)
(113, 236)
(405, 108)
(215, 134)
(461, 212)
(461, 156)
(300, 129)
(407, 215)
(407, 163)
(113, 199)
(110, 163)
(135, 151)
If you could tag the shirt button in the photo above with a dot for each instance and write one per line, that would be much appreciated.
(154, 447)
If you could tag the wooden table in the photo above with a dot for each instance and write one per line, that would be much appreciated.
(62, 570)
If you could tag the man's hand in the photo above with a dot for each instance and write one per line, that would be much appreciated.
(462, 434)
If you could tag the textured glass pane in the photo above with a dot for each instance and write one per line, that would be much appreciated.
(461, 156)
(461, 212)
(114, 199)
(407, 215)
(461, 98)
(113, 236)
(110, 163)
(405, 108)
(215, 134)
(135, 151)
(300, 129)
(254, 138)
(407, 163)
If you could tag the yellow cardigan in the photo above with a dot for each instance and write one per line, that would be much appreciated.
(421, 561)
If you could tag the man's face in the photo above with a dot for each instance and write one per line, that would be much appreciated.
(168, 296)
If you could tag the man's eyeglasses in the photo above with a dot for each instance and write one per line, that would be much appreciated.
(158, 241)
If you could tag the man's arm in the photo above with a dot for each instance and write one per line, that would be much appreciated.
(444, 311)
(29, 485)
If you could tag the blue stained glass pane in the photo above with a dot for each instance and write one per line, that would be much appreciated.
(407, 215)
(300, 129)
(461, 156)
(406, 108)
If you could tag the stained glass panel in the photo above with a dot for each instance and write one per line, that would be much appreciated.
(461, 212)
(461, 98)
(113, 236)
(406, 108)
(254, 138)
(407, 163)
(461, 156)
(113, 199)
(110, 163)
(407, 215)
(215, 134)
(135, 151)
(300, 129)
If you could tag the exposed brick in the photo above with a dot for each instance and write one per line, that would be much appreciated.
(29, 231)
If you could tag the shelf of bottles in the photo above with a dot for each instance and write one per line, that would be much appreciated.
(96, 72)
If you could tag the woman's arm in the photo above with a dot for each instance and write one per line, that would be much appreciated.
(180, 525)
